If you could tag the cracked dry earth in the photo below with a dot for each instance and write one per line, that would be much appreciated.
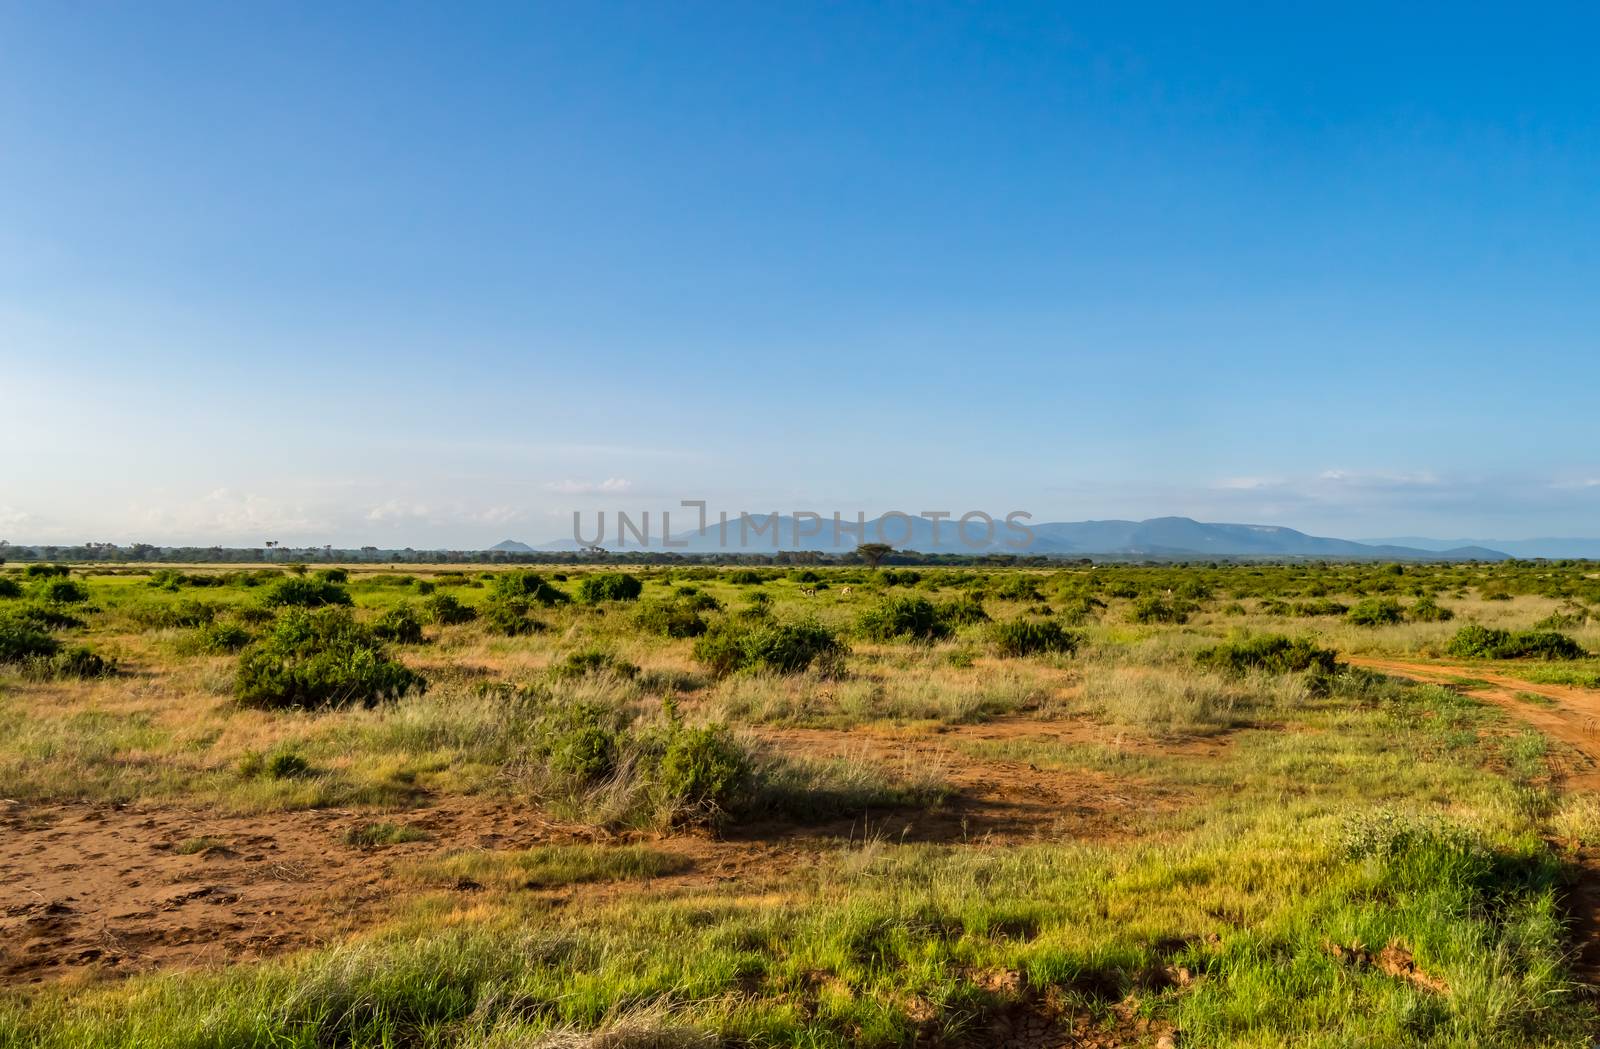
(95, 890)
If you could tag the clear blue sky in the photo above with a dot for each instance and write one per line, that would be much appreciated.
(438, 275)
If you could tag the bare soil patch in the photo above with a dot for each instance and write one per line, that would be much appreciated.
(123, 889)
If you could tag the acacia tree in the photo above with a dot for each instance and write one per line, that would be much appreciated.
(874, 553)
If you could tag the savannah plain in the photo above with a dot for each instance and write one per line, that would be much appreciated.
(620, 806)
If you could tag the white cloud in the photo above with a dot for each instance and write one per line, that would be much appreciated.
(610, 485)
(225, 513)
(395, 510)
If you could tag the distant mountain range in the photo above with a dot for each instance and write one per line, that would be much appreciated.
(1159, 537)
(1553, 548)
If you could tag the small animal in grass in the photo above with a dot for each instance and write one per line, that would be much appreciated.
(845, 591)
(808, 591)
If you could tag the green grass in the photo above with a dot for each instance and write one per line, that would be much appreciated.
(548, 866)
(376, 835)
(1270, 816)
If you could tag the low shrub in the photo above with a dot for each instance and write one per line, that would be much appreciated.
(168, 615)
(1481, 642)
(1018, 588)
(528, 587)
(43, 617)
(677, 619)
(1272, 653)
(592, 661)
(1375, 611)
(446, 610)
(510, 616)
(39, 570)
(963, 611)
(9, 588)
(1156, 609)
(320, 658)
(222, 638)
(778, 648)
(400, 625)
(914, 618)
(287, 765)
(21, 639)
(333, 575)
(80, 661)
(704, 775)
(305, 592)
(585, 742)
(61, 591)
(609, 586)
(1027, 637)
(1427, 610)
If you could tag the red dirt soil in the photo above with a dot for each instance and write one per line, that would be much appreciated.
(100, 890)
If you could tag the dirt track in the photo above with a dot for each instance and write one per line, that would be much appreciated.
(1573, 720)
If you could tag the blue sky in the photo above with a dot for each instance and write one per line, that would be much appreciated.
(438, 275)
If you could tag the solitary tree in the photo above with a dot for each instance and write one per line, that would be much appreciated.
(874, 553)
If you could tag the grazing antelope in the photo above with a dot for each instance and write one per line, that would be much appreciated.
(808, 591)
(844, 591)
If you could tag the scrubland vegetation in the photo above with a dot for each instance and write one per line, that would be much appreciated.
(1098, 805)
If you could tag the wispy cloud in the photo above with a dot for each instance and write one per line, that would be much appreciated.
(609, 486)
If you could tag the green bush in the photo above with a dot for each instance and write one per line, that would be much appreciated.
(585, 743)
(445, 610)
(1481, 642)
(1321, 607)
(167, 615)
(401, 625)
(778, 648)
(334, 575)
(963, 611)
(287, 765)
(528, 587)
(9, 588)
(1026, 637)
(1272, 653)
(915, 618)
(1018, 588)
(511, 616)
(1427, 610)
(320, 658)
(1155, 609)
(166, 579)
(592, 661)
(38, 570)
(222, 638)
(608, 586)
(746, 577)
(43, 617)
(305, 592)
(79, 661)
(704, 775)
(677, 619)
(59, 591)
(1375, 611)
(22, 639)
